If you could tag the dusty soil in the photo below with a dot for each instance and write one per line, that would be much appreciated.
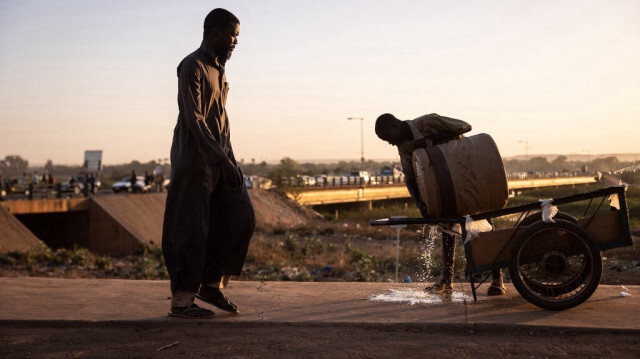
(206, 340)
(293, 246)
(323, 251)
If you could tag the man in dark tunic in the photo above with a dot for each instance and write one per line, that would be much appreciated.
(209, 218)
(439, 129)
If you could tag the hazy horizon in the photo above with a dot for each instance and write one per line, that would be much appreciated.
(572, 157)
(542, 77)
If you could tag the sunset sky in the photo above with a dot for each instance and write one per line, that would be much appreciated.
(562, 76)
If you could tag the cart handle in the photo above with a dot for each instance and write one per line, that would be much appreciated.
(620, 190)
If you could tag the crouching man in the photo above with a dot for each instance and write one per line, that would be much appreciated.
(438, 129)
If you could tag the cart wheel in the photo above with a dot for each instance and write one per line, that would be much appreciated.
(555, 266)
(537, 216)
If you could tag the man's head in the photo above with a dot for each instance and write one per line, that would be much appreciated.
(392, 130)
(221, 30)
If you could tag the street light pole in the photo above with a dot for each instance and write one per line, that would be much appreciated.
(526, 154)
(361, 140)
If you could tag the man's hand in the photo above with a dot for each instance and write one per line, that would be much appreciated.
(231, 174)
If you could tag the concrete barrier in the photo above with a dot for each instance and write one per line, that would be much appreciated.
(124, 223)
(311, 196)
(14, 236)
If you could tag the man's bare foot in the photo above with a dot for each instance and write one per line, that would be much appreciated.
(496, 288)
(441, 287)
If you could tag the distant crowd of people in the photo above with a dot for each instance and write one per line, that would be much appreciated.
(85, 183)
(153, 182)
(10, 185)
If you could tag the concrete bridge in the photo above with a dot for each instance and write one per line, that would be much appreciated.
(313, 196)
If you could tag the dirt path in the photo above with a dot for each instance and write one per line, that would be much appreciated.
(207, 340)
(127, 319)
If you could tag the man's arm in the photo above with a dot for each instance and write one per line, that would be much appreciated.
(189, 80)
(440, 128)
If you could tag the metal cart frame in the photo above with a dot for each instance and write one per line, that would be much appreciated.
(555, 265)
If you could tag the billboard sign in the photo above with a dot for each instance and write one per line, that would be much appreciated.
(92, 160)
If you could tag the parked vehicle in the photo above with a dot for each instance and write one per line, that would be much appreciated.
(17, 185)
(305, 180)
(77, 183)
(389, 171)
(257, 182)
(389, 175)
(359, 177)
(124, 185)
(321, 180)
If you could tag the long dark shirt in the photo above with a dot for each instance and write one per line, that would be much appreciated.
(202, 95)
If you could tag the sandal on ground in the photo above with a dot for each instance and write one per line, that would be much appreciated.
(215, 297)
(496, 289)
(191, 311)
(440, 288)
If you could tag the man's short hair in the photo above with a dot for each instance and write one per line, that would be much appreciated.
(218, 19)
(383, 122)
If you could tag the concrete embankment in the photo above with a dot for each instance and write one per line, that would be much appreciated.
(118, 223)
(15, 236)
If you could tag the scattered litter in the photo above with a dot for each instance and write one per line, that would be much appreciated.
(626, 292)
(168, 346)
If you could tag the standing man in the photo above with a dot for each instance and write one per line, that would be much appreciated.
(158, 178)
(209, 218)
(439, 129)
(133, 179)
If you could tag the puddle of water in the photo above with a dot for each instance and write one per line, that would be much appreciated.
(413, 297)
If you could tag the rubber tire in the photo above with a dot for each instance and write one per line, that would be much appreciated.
(537, 298)
(537, 216)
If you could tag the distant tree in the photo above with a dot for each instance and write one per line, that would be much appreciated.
(606, 164)
(284, 173)
(13, 165)
(538, 164)
(342, 168)
(559, 163)
(48, 167)
(288, 167)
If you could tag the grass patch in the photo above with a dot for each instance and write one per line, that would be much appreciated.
(78, 262)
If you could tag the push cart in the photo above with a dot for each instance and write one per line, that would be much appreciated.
(554, 262)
